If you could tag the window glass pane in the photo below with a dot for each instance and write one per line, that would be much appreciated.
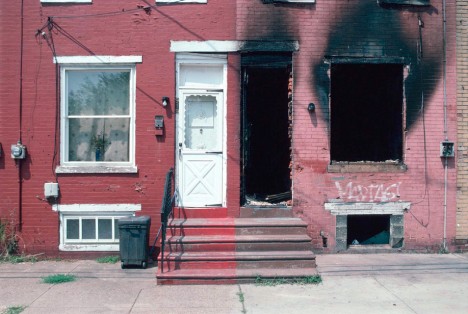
(88, 229)
(200, 75)
(73, 229)
(99, 139)
(98, 92)
(201, 127)
(116, 228)
(105, 228)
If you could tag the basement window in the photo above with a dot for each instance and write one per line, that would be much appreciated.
(368, 230)
(92, 227)
(366, 114)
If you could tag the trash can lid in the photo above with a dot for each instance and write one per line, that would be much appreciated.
(140, 220)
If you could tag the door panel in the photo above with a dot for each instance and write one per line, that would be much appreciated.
(200, 149)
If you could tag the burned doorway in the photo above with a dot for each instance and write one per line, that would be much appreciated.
(265, 146)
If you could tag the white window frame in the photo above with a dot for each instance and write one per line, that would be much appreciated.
(92, 211)
(70, 63)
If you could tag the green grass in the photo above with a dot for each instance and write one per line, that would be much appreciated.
(271, 282)
(15, 259)
(14, 310)
(108, 259)
(58, 278)
(240, 294)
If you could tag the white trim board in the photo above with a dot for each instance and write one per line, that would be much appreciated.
(97, 59)
(233, 46)
(388, 208)
(96, 208)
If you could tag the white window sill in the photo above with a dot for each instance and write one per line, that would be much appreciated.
(89, 247)
(96, 169)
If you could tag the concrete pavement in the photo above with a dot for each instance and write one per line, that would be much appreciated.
(352, 283)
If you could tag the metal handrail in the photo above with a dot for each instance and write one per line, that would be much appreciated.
(166, 210)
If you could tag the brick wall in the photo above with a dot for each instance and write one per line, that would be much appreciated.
(334, 27)
(127, 32)
(364, 29)
(462, 103)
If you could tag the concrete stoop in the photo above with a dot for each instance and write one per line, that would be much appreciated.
(233, 250)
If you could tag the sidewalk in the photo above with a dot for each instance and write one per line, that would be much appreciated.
(352, 283)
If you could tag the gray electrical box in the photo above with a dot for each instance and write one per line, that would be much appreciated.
(447, 149)
(51, 189)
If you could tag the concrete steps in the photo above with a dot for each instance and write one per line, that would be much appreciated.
(230, 250)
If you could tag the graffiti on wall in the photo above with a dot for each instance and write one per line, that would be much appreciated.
(353, 192)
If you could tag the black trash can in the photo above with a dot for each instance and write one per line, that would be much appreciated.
(134, 240)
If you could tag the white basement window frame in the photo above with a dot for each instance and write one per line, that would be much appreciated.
(92, 227)
(104, 140)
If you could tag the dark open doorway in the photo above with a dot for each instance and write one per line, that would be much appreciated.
(265, 125)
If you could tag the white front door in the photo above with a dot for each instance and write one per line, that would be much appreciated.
(200, 148)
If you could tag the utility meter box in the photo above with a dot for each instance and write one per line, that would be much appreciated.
(18, 151)
(447, 149)
(51, 189)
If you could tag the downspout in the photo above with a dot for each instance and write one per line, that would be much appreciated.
(444, 244)
(19, 162)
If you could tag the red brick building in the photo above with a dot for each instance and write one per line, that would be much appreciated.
(332, 113)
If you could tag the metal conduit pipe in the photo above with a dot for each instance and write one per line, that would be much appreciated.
(445, 118)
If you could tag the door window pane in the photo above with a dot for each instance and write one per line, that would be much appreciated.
(201, 122)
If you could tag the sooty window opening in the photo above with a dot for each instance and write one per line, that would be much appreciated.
(366, 112)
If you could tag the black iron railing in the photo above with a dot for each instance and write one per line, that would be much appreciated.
(166, 210)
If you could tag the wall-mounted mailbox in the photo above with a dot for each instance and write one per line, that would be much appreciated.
(447, 149)
(159, 122)
(159, 125)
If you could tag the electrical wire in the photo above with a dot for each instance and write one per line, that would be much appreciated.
(50, 43)
(423, 118)
(106, 14)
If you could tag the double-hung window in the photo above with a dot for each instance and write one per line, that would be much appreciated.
(97, 114)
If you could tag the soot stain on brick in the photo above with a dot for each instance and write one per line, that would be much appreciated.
(278, 28)
(371, 31)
